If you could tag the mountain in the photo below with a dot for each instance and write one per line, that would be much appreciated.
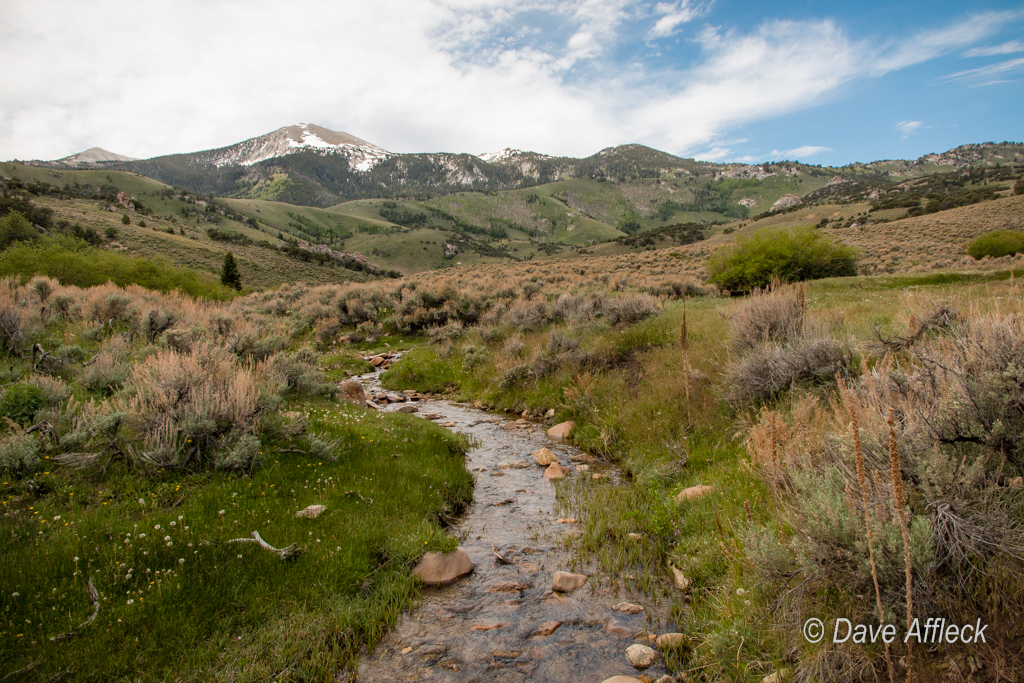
(310, 165)
(361, 155)
(629, 187)
(93, 155)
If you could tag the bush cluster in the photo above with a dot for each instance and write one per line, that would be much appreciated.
(996, 243)
(757, 259)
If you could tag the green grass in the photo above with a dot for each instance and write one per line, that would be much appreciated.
(202, 609)
(72, 262)
(630, 402)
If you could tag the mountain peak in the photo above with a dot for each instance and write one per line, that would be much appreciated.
(300, 137)
(312, 135)
(93, 155)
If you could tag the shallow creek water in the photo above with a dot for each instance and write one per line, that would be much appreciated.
(484, 626)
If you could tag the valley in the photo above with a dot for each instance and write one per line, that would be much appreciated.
(511, 303)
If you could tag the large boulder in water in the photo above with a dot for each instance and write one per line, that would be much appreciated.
(561, 431)
(440, 569)
(544, 457)
(563, 582)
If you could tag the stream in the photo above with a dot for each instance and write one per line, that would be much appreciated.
(503, 622)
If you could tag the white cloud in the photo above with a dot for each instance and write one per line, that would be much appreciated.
(410, 75)
(927, 45)
(1007, 48)
(797, 153)
(908, 128)
(672, 15)
(984, 75)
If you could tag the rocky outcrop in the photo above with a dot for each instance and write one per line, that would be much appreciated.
(349, 259)
(786, 202)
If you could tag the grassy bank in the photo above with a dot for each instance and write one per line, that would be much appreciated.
(750, 405)
(135, 449)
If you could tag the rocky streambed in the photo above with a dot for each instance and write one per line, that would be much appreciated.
(503, 621)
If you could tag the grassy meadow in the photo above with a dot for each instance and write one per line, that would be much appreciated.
(857, 438)
(154, 428)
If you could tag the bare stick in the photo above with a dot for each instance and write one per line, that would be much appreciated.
(288, 553)
(24, 669)
(94, 598)
(899, 500)
(498, 557)
(862, 480)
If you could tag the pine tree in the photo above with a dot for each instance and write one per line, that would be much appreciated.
(229, 275)
(1018, 187)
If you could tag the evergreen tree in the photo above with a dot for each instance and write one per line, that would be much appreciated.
(229, 275)
(1018, 188)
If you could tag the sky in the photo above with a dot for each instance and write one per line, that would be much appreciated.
(722, 80)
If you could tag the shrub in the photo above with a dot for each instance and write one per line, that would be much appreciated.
(109, 370)
(527, 315)
(515, 347)
(115, 308)
(996, 243)
(298, 374)
(772, 368)
(182, 339)
(774, 254)
(156, 322)
(19, 454)
(630, 309)
(21, 402)
(243, 456)
(447, 333)
(939, 429)
(70, 354)
(15, 228)
(515, 375)
(11, 337)
(768, 315)
(472, 356)
(492, 334)
(54, 389)
(255, 346)
(200, 403)
(576, 308)
(327, 332)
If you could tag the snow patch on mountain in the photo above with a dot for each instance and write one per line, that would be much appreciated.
(361, 155)
(509, 154)
(497, 157)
